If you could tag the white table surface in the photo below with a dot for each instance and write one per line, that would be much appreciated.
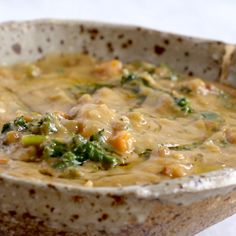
(204, 18)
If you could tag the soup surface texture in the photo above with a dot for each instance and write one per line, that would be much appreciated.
(74, 119)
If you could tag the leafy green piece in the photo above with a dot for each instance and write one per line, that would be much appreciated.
(144, 66)
(7, 127)
(209, 115)
(47, 124)
(184, 105)
(20, 123)
(68, 159)
(93, 150)
(98, 137)
(80, 150)
(134, 80)
(146, 154)
(54, 148)
(183, 147)
(128, 77)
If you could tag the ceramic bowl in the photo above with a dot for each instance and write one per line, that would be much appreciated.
(184, 206)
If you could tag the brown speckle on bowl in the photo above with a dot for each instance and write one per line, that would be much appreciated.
(179, 39)
(159, 49)
(186, 68)
(40, 50)
(77, 198)
(120, 36)
(32, 192)
(110, 47)
(186, 54)
(93, 33)
(130, 42)
(81, 29)
(75, 216)
(16, 48)
(166, 41)
(190, 73)
(103, 217)
(117, 200)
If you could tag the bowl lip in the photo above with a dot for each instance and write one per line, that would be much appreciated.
(219, 179)
(100, 23)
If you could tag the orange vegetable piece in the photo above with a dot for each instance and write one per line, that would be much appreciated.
(109, 68)
(12, 137)
(122, 141)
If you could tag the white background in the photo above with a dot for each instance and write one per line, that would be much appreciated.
(203, 18)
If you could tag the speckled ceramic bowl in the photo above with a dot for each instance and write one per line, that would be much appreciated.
(182, 206)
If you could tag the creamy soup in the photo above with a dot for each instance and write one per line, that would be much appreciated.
(78, 120)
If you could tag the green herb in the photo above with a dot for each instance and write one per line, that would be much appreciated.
(183, 103)
(134, 80)
(20, 123)
(128, 77)
(98, 137)
(144, 66)
(93, 150)
(146, 154)
(183, 147)
(54, 148)
(209, 115)
(47, 124)
(68, 159)
(7, 127)
(78, 151)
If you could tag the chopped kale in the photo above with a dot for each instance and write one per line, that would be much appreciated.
(54, 148)
(183, 103)
(44, 125)
(7, 127)
(134, 80)
(20, 123)
(47, 124)
(146, 154)
(78, 151)
(128, 77)
(184, 147)
(98, 137)
(67, 159)
(209, 115)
